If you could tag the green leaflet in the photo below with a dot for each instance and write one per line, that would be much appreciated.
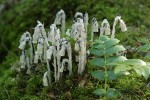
(142, 70)
(100, 61)
(109, 51)
(103, 38)
(108, 43)
(111, 93)
(145, 47)
(100, 92)
(115, 49)
(134, 62)
(96, 52)
(120, 69)
(147, 56)
(100, 75)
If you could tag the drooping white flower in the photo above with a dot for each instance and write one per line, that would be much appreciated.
(60, 20)
(62, 51)
(45, 79)
(105, 28)
(39, 31)
(49, 53)
(77, 48)
(22, 60)
(123, 26)
(25, 38)
(78, 15)
(94, 27)
(68, 32)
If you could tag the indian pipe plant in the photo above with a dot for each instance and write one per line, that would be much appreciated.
(56, 52)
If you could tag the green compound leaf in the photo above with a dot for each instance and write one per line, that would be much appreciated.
(121, 69)
(103, 38)
(111, 75)
(99, 92)
(97, 52)
(110, 43)
(114, 59)
(142, 70)
(99, 74)
(112, 50)
(115, 49)
(147, 56)
(100, 61)
(111, 93)
(107, 44)
(134, 62)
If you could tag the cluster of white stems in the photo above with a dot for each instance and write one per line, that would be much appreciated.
(56, 51)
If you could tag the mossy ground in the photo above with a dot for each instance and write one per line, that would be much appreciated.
(22, 16)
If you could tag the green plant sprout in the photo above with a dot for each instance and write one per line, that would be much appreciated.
(112, 65)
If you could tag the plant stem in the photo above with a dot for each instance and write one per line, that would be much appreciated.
(105, 61)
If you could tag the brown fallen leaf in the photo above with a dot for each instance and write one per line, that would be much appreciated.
(83, 81)
(68, 95)
(51, 95)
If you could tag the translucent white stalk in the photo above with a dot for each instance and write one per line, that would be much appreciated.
(28, 65)
(36, 57)
(22, 60)
(69, 50)
(82, 56)
(86, 19)
(58, 60)
(63, 65)
(114, 25)
(54, 63)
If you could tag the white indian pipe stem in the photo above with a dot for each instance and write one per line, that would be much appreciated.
(54, 53)
(49, 72)
(70, 58)
(58, 60)
(22, 60)
(86, 18)
(114, 25)
(28, 65)
(63, 23)
(36, 57)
